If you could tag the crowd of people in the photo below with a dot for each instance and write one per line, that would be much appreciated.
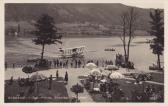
(66, 63)
(108, 89)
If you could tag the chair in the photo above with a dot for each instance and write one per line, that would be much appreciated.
(96, 89)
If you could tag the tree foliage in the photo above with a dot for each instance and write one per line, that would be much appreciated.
(46, 32)
(157, 26)
(157, 30)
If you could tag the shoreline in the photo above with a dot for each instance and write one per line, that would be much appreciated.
(87, 36)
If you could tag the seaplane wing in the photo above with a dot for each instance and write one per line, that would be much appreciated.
(69, 52)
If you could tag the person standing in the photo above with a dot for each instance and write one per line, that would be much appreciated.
(57, 62)
(71, 64)
(13, 65)
(54, 63)
(50, 82)
(79, 64)
(57, 74)
(11, 80)
(6, 65)
(97, 63)
(66, 77)
(60, 64)
(67, 64)
(76, 63)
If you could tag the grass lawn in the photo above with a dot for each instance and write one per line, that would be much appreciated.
(58, 93)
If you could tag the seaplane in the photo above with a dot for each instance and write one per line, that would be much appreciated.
(72, 52)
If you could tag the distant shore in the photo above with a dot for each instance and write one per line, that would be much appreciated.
(87, 36)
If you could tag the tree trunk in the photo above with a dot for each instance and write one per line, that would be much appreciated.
(125, 52)
(158, 62)
(124, 33)
(128, 20)
(128, 49)
(130, 34)
(42, 53)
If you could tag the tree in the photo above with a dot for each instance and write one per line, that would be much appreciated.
(45, 33)
(28, 70)
(157, 30)
(123, 37)
(77, 89)
(129, 24)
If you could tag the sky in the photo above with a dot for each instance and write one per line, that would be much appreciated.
(146, 3)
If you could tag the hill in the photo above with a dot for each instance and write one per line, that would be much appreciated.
(104, 14)
(70, 13)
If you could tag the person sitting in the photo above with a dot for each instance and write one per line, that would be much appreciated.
(21, 82)
(137, 81)
(27, 81)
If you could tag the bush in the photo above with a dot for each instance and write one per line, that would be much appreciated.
(77, 89)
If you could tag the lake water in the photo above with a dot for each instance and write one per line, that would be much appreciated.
(140, 53)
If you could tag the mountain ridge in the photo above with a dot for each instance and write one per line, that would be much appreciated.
(73, 13)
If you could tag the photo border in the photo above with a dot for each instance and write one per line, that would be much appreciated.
(129, 2)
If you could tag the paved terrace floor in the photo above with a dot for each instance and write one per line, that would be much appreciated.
(73, 74)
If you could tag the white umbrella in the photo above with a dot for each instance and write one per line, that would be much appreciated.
(95, 72)
(37, 77)
(116, 75)
(91, 66)
(111, 67)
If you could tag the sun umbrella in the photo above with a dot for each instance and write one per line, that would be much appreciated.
(111, 67)
(116, 75)
(95, 72)
(91, 66)
(37, 77)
